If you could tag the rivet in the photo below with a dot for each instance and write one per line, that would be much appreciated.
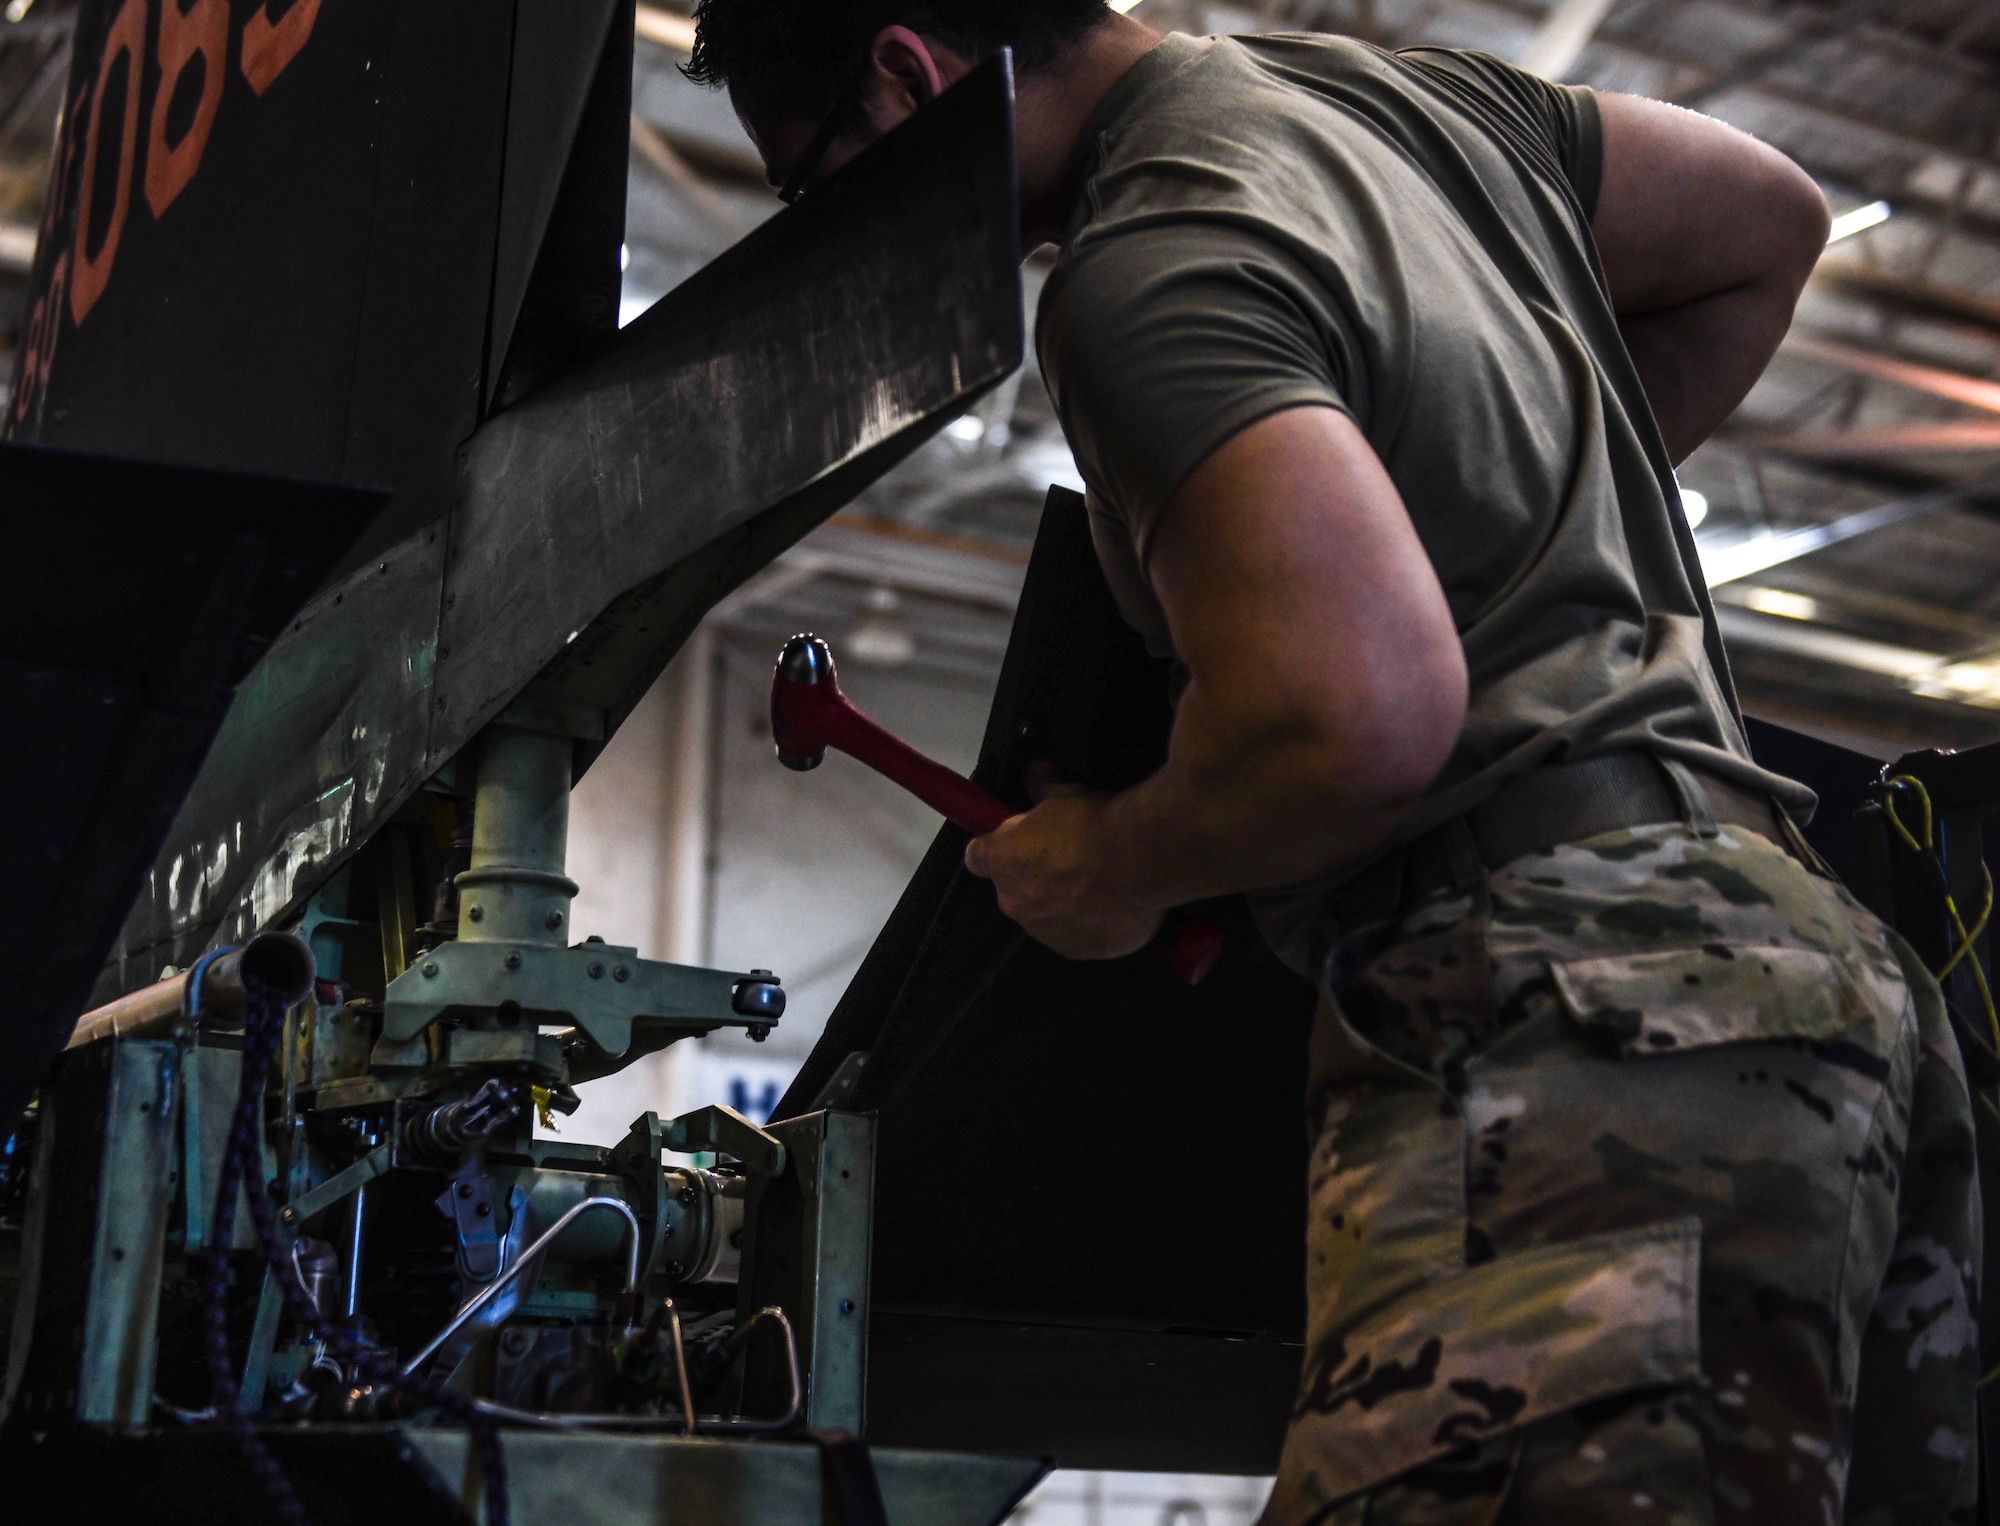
(465, 1189)
(429, 971)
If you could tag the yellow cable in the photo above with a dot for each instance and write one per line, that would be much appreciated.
(1965, 939)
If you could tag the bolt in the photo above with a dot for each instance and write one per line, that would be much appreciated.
(515, 1342)
(593, 938)
(619, 972)
(555, 919)
(512, 961)
(596, 972)
(476, 913)
(686, 1196)
(290, 1215)
(484, 1210)
(430, 971)
(465, 1189)
(758, 1035)
(762, 975)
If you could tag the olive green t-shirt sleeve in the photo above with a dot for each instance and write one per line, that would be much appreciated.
(1536, 112)
(1161, 344)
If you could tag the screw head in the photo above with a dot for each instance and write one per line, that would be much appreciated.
(289, 1215)
(555, 919)
(512, 961)
(465, 1189)
(596, 972)
(475, 913)
(619, 972)
(430, 971)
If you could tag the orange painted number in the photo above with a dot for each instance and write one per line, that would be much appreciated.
(268, 46)
(201, 33)
(88, 274)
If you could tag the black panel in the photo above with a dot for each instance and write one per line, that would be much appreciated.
(1091, 1398)
(1109, 1162)
(143, 595)
(1838, 776)
(344, 1476)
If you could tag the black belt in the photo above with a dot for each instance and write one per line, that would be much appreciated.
(1555, 804)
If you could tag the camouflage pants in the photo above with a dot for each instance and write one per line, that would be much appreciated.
(1643, 1190)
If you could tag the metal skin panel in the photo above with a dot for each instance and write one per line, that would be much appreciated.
(603, 516)
(807, 1249)
(837, 336)
(274, 280)
(119, 1352)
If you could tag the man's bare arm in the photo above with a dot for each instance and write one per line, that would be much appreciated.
(1328, 689)
(1707, 237)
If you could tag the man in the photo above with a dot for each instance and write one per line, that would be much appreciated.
(1643, 1181)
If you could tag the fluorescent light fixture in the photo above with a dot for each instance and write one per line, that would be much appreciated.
(1775, 601)
(17, 246)
(1860, 220)
(1122, 6)
(1694, 505)
(624, 257)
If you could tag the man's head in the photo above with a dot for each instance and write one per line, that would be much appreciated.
(821, 79)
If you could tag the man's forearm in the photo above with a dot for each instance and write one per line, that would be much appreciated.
(1232, 811)
(1698, 360)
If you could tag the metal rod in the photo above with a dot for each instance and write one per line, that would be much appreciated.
(527, 1257)
(280, 960)
(688, 1416)
(549, 1420)
(351, 1300)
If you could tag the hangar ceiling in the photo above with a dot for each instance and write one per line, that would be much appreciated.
(1852, 531)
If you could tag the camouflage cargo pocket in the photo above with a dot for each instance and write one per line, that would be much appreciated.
(1486, 1350)
(1661, 1000)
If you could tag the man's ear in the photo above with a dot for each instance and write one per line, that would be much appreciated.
(906, 72)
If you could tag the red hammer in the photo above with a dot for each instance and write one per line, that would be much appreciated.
(809, 714)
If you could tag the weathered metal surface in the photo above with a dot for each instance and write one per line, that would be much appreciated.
(603, 516)
(807, 1249)
(743, 408)
(115, 1385)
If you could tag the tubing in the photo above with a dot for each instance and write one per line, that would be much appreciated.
(281, 960)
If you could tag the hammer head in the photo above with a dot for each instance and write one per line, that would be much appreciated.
(799, 688)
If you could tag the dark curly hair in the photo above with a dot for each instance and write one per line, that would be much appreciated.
(800, 59)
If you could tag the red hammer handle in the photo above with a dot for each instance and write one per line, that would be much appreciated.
(821, 714)
(951, 795)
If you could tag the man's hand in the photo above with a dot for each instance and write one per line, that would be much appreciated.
(1054, 871)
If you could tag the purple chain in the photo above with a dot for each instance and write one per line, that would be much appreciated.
(243, 1159)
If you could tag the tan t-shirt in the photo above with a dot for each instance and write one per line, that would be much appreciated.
(1275, 221)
